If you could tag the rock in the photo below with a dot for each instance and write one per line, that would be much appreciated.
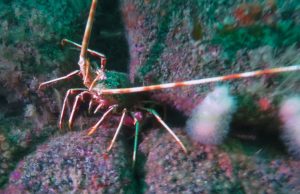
(30, 51)
(74, 163)
(17, 138)
(163, 47)
(31, 32)
(211, 169)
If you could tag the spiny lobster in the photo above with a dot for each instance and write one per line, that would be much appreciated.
(101, 97)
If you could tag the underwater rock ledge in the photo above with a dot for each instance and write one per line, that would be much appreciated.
(76, 163)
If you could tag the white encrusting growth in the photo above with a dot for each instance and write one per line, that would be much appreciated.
(209, 122)
(290, 116)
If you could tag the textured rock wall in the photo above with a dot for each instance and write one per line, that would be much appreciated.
(184, 40)
(30, 51)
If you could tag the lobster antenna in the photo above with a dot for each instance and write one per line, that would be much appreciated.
(201, 81)
(83, 64)
(88, 29)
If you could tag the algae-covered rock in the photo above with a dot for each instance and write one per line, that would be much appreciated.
(30, 35)
(31, 31)
(18, 138)
(76, 163)
(235, 167)
(184, 40)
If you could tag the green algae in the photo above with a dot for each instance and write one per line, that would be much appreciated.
(116, 79)
(31, 32)
(282, 35)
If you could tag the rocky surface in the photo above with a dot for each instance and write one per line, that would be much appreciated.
(74, 163)
(30, 35)
(31, 32)
(185, 40)
(234, 167)
(17, 139)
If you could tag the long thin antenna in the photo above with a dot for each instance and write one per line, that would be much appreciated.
(201, 81)
(83, 63)
(88, 29)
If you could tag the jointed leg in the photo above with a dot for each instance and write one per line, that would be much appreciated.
(63, 110)
(98, 107)
(135, 147)
(87, 76)
(78, 98)
(93, 53)
(102, 57)
(100, 76)
(155, 114)
(44, 84)
(90, 106)
(93, 128)
(118, 130)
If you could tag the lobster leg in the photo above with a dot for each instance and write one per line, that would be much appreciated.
(90, 106)
(44, 84)
(98, 107)
(102, 57)
(118, 130)
(93, 128)
(155, 114)
(100, 76)
(63, 110)
(87, 77)
(135, 147)
(92, 52)
(78, 98)
(100, 72)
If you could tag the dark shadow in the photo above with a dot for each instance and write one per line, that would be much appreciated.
(109, 37)
(256, 127)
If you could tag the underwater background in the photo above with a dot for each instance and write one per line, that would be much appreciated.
(242, 136)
